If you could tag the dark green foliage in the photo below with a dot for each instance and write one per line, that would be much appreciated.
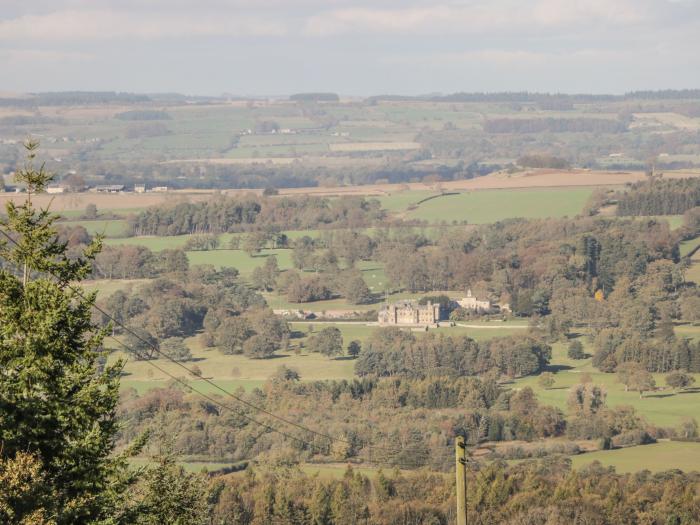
(143, 114)
(355, 289)
(354, 348)
(391, 351)
(141, 344)
(660, 197)
(137, 262)
(228, 214)
(575, 350)
(532, 492)
(54, 404)
(328, 342)
(175, 348)
(170, 495)
(543, 161)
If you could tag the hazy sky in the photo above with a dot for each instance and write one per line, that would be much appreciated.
(354, 47)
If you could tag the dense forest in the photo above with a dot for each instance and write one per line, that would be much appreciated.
(659, 197)
(536, 493)
(225, 214)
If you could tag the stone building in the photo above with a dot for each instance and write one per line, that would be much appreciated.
(409, 313)
(470, 302)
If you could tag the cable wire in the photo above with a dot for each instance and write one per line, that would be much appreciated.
(244, 402)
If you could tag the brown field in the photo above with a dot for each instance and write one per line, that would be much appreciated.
(104, 201)
(373, 146)
(527, 179)
(311, 160)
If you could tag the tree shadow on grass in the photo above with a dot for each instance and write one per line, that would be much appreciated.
(344, 358)
(689, 391)
(558, 368)
(660, 395)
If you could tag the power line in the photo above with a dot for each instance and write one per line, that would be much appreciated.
(252, 406)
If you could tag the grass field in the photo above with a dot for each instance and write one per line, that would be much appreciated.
(693, 273)
(400, 200)
(488, 206)
(232, 372)
(689, 330)
(244, 263)
(657, 457)
(688, 246)
(107, 227)
(663, 407)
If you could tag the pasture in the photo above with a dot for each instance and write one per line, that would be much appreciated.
(232, 372)
(664, 407)
(657, 457)
(483, 207)
(108, 227)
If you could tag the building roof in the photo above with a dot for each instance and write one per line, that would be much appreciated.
(110, 187)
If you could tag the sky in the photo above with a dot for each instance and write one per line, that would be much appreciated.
(351, 47)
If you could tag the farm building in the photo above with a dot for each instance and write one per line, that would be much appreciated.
(110, 188)
(409, 313)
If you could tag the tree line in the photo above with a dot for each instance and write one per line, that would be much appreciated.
(234, 214)
(659, 197)
(554, 125)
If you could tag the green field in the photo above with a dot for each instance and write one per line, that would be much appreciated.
(488, 206)
(664, 407)
(232, 372)
(688, 246)
(235, 370)
(244, 263)
(693, 273)
(106, 227)
(401, 200)
(657, 457)
(688, 330)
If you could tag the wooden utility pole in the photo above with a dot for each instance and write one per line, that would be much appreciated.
(461, 472)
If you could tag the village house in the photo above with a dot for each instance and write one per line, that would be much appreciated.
(409, 313)
(471, 302)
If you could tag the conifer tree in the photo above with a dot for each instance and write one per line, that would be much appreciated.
(54, 403)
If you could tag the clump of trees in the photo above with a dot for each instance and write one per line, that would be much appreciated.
(235, 214)
(543, 161)
(393, 352)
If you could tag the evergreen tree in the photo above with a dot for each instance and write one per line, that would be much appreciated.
(54, 403)
(172, 496)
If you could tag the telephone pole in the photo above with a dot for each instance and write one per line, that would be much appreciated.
(461, 472)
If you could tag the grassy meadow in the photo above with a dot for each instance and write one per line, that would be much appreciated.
(232, 372)
(487, 206)
(663, 407)
(657, 457)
